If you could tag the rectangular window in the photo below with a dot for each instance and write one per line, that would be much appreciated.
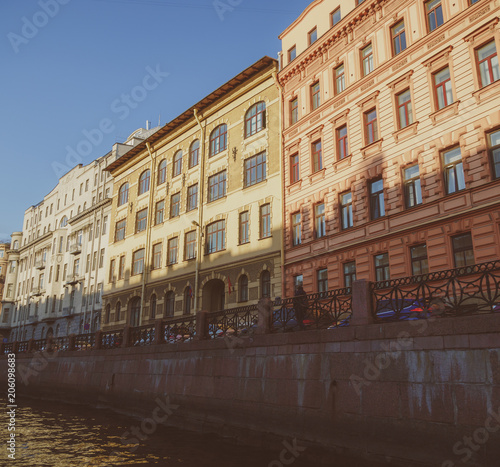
(319, 220)
(312, 36)
(190, 245)
(101, 258)
(216, 236)
(265, 220)
(157, 256)
(255, 169)
(138, 262)
(434, 13)
(453, 171)
(105, 225)
(377, 207)
(349, 273)
(159, 212)
(443, 91)
(463, 251)
(217, 186)
(398, 37)
(315, 96)
(367, 59)
(494, 150)
(339, 79)
(112, 270)
(346, 210)
(292, 54)
(294, 110)
(298, 280)
(296, 229)
(141, 220)
(192, 197)
(87, 266)
(335, 16)
(94, 261)
(120, 230)
(294, 168)
(175, 204)
(371, 126)
(121, 269)
(317, 156)
(342, 143)
(419, 263)
(244, 227)
(412, 188)
(382, 267)
(173, 250)
(487, 61)
(322, 279)
(405, 115)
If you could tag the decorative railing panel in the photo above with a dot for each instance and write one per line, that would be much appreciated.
(9, 348)
(60, 344)
(22, 347)
(143, 335)
(112, 339)
(234, 322)
(39, 345)
(179, 329)
(453, 292)
(84, 341)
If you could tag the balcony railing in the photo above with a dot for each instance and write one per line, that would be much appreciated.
(40, 264)
(75, 248)
(144, 335)
(73, 279)
(68, 311)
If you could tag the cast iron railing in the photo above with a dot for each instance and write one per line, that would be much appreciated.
(234, 322)
(112, 339)
(453, 292)
(39, 345)
(60, 343)
(22, 347)
(143, 335)
(181, 329)
(9, 348)
(84, 341)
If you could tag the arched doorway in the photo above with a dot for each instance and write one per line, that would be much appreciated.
(135, 311)
(214, 298)
(50, 333)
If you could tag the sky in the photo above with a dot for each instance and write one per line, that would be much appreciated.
(79, 75)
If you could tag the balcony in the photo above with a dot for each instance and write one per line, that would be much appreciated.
(75, 249)
(37, 291)
(68, 311)
(32, 319)
(73, 279)
(40, 264)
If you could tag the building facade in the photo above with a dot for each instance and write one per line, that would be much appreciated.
(197, 208)
(4, 312)
(391, 130)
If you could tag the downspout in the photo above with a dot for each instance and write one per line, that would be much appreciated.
(201, 192)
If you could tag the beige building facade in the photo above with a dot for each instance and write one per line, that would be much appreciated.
(4, 311)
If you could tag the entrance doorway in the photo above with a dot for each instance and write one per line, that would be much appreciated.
(214, 298)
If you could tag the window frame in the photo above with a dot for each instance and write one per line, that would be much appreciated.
(244, 227)
(377, 200)
(428, 13)
(159, 213)
(339, 76)
(349, 275)
(157, 256)
(294, 168)
(407, 106)
(400, 37)
(313, 31)
(367, 59)
(491, 153)
(141, 220)
(315, 95)
(296, 225)
(253, 120)
(453, 165)
(190, 244)
(490, 67)
(137, 263)
(123, 194)
(322, 282)
(216, 186)
(162, 172)
(459, 250)
(419, 259)
(316, 156)
(412, 182)
(218, 140)
(342, 142)
(177, 163)
(346, 207)
(175, 205)
(194, 154)
(192, 197)
(319, 221)
(252, 166)
(332, 17)
(243, 288)
(370, 124)
(144, 183)
(120, 229)
(443, 86)
(172, 250)
(219, 234)
(384, 267)
(265, 230)
(294, 110)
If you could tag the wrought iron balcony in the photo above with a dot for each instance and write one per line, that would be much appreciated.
(75, 248)
(68, 311)
(73, 279)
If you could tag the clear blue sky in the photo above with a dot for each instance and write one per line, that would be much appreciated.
(65, 72)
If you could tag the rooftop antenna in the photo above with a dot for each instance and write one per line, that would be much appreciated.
(147, 125)
(159, 119)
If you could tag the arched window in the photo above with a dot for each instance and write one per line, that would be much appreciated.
(152, 307)
(108, 313)
(122, 194)
(64, 222)
(16, 245)
(194, 153)
(57, 330)
(118, 311)
(85, 205)
(188, 297)
(144, 182)
(170, 303)
(255, 119)
(162, 172)
(265, 284)
(135, 311)
(243, 288)
(177, 164)
(218, 140)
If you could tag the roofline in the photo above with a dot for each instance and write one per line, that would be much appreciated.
(304, 13)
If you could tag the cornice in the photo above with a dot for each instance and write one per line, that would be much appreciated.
(83, 214)
(36, 241)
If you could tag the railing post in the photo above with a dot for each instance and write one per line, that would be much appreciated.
(31, 344)
(159, 337)
(15, 347)
(71, 342)
(126, 336)
(265, 309)
(98, 340)
(2, 348)
(362, 303)
(201, 325)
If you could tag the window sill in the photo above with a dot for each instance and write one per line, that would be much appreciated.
(487, 92)
(342, 163)
(406, 132)
(295, 186)
(444, 113)
(225, 152)
(222, 198)
(247, 187)
(214, 252)
(372, 149)
(265, 238)
(317, 176)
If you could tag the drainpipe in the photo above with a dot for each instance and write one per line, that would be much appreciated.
(199, 227)
(282, 180)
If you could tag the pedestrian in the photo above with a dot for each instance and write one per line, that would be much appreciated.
(300, 305)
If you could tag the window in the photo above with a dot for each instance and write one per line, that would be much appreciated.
(443, 92)
(170, 303)
(322, 280)
(315, 96)
(157, 256)
(463, 252)
(216, 236)
(342, 143)
(294, 168)
(188, 297)
(141, 220)
(298, 280)
(121, 269)
(159, 212)
(190, 245)
(243, 288)
(494, 149)
(104, 226)
(339, 79)
(319, 220)
(244, 227)
(177, 164)
(117, 311)
(292, 54)
(87, 266)
(335, 16)
(317, 157)
(217, 186)
(218, 140)
(312, 36)
(101, 258)
(138, 262)
(419, 263)
(94, 262)
(377, 207)
(398, 37)
(255, 169)
(405, 115)
(152, 307)
(367, 59)
(413, 191)
(382, 267)
(120, 230)
(173, 250)
(349, 273)
(194, 153)
(294, 110)
(111, 277)
(265, 284)
(434, 12)
(192, 197)
(371, 127)
(175, 204)
(346, 210)
(487, 61)
(255, 119)
(162, 172)
(296, 229)
(144, 180)
(265, 220)
(453, 171)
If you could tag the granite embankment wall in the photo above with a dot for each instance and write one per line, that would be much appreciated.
(393, 391)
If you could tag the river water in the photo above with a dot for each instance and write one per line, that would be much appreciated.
(61, 435)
